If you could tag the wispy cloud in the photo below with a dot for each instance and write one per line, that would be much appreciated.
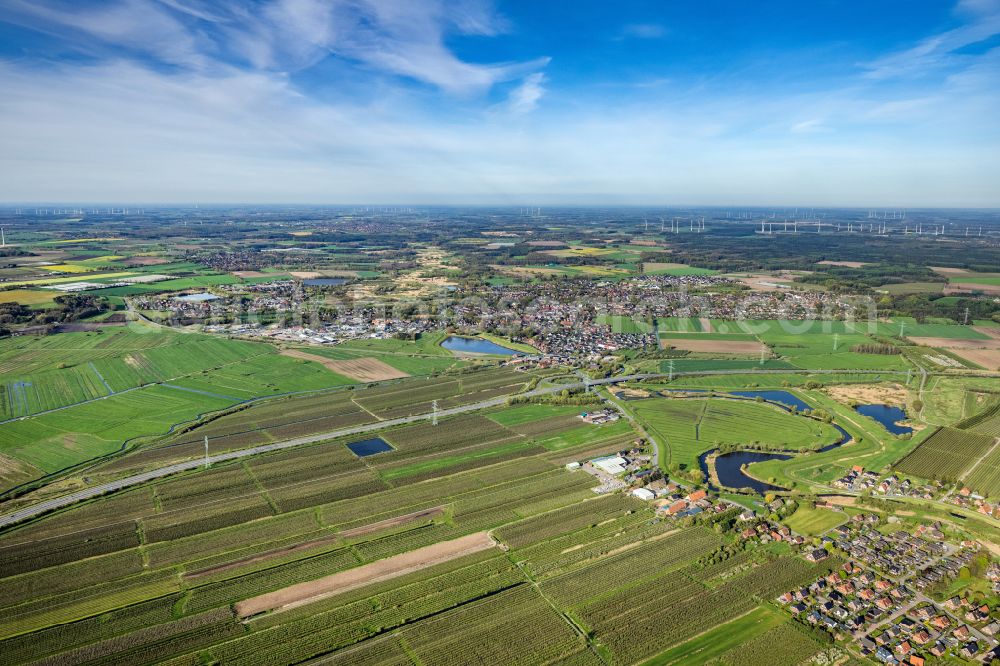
(809, 126)
(643, 31)
(395, 37)
(137, 26)
(524, 98)
(938, 51)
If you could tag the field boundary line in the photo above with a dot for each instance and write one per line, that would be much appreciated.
(973, 466)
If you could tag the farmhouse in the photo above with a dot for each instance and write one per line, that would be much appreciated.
(599, 417)
(613, 465)
(676, 507)
(643, 494)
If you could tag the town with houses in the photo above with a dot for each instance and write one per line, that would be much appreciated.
(880, 598)
(571, 319)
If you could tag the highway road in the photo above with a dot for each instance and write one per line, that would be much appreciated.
(62, 501)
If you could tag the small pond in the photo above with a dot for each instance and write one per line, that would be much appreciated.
(369, 447)
(325, 282)
(475, 346)
(196, 298)
(888, 416)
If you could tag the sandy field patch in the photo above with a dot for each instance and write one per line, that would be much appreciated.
(985, 353)
(987, 358)
(878, 394)
(944, 270)
(145, 261)
(362, 369)
(634, 393)
(838, 500)
(950, 343)
(992, 331)
(305, 275)
(249, 274)
(390, 523)
(526, 271)
(765, 282)
(344, 581)
(722, 346)
(971, 286)
(845, 264)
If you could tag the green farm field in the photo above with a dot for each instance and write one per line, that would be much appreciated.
(809, 521)
(139, 385)
(688, 427)
(946, 454)
(719, 640)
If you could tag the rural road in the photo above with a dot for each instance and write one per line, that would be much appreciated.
(48, 505)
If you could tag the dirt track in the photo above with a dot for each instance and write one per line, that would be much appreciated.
(262, 557)
(391, 567)
(393, 522)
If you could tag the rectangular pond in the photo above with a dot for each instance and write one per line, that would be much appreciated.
(325, 282)
(369, 447)
(197, 298)
(460, 344)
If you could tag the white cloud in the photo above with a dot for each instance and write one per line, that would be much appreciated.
(220, 129)
(397, 37)
(524, 98)
(232, 135)
(809, 126)
(644, 31)
(140, 26)
(938, 51)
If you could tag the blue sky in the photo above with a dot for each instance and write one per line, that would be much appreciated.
(884, 103)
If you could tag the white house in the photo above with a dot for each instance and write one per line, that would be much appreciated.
(643, 494)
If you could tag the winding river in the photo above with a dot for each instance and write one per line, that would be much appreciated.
(729, 466)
